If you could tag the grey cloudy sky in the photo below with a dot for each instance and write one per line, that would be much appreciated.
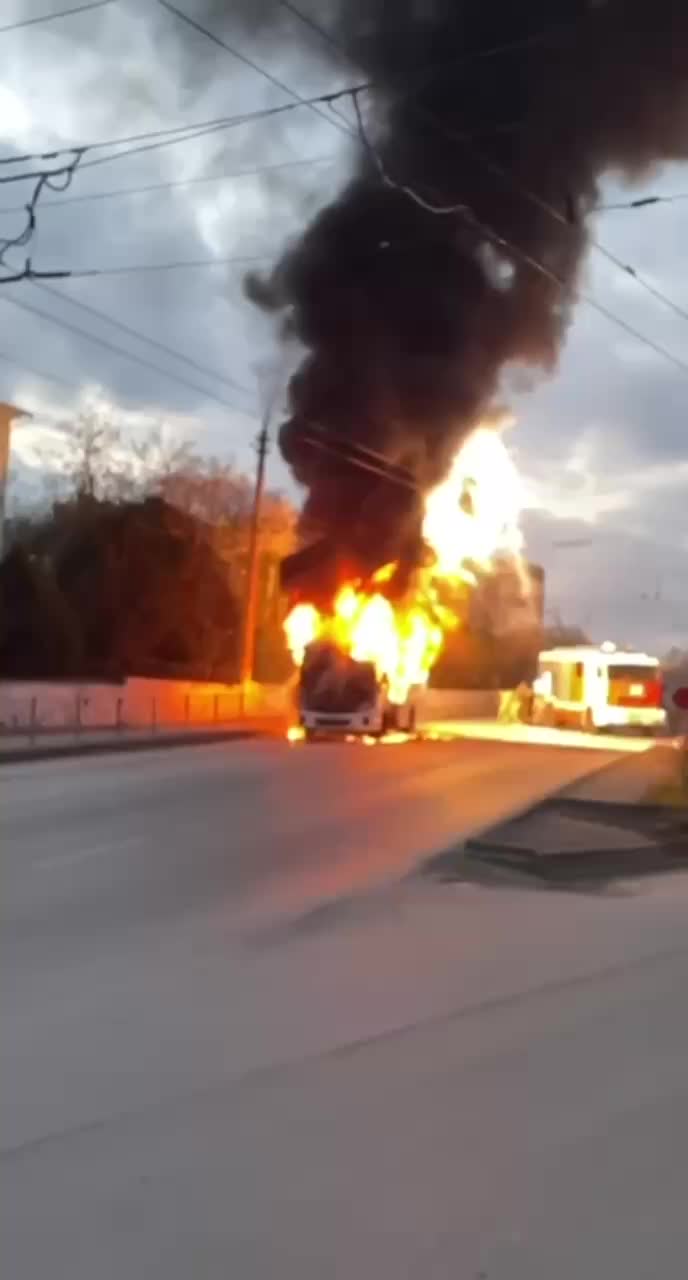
(602, 443)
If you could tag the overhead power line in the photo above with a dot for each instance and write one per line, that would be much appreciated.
(181, 133)
(142, 148)
(314, 26)
(142, 337)
(527, 41)
(502, 242)
(55, 180)
(388, 181)
(127, 355)
(52, 17)
(642, 202)
(472, 55)
(86, 273)
(178, 132)
(547, 207)
(643, 282)
(351, 449)
(319, 441)
(494, 237)
(513, 250)
(233, 175)
(184, 132)
(49, 176)
(254, 66)
(489, 233)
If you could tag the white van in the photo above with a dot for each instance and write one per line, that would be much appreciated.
(586, 687)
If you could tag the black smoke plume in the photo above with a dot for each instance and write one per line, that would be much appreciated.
(409, 317)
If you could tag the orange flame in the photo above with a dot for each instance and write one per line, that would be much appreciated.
(475, 512)
(469, 518)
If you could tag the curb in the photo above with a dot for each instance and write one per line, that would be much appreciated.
(571, 805)
(669, 852)
(665, 845)
(550, 797)
(590, 864)
(472, 847)
(114, 746)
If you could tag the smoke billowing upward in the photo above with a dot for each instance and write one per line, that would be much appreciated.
(409, 317)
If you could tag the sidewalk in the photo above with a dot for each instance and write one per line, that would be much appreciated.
(50, 744)
(609, 824)
(631, 780)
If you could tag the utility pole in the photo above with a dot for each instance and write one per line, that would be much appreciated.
(8, 413)
(248, 639)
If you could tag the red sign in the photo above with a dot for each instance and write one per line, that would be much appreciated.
(681, 698)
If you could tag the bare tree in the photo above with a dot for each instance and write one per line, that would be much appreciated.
(156, 458)
(93, 458)
(221, 496)
(209, 489)
(90, 447)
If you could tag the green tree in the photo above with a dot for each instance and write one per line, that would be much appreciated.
(148, 592)
(40, 635)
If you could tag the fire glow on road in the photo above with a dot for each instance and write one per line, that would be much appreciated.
(296, 734)
(493, 731)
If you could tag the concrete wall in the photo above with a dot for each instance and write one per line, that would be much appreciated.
(136, 702)
(458, 704)
(139, 702)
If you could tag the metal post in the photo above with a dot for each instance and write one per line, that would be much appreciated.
(248, 642)
(32, 720)
(118, 713)
(187, 708)
(8, 414)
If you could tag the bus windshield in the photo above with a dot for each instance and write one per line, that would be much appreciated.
(332, 681)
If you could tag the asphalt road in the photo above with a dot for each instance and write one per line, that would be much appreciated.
(234, 1043)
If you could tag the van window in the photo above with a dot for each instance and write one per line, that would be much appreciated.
(636, 674)
(561, 679)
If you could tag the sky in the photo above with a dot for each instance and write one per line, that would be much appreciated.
(601, 443)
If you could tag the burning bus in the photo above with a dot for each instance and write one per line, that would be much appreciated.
(338, 694)
(366, 640)
(362, 661)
